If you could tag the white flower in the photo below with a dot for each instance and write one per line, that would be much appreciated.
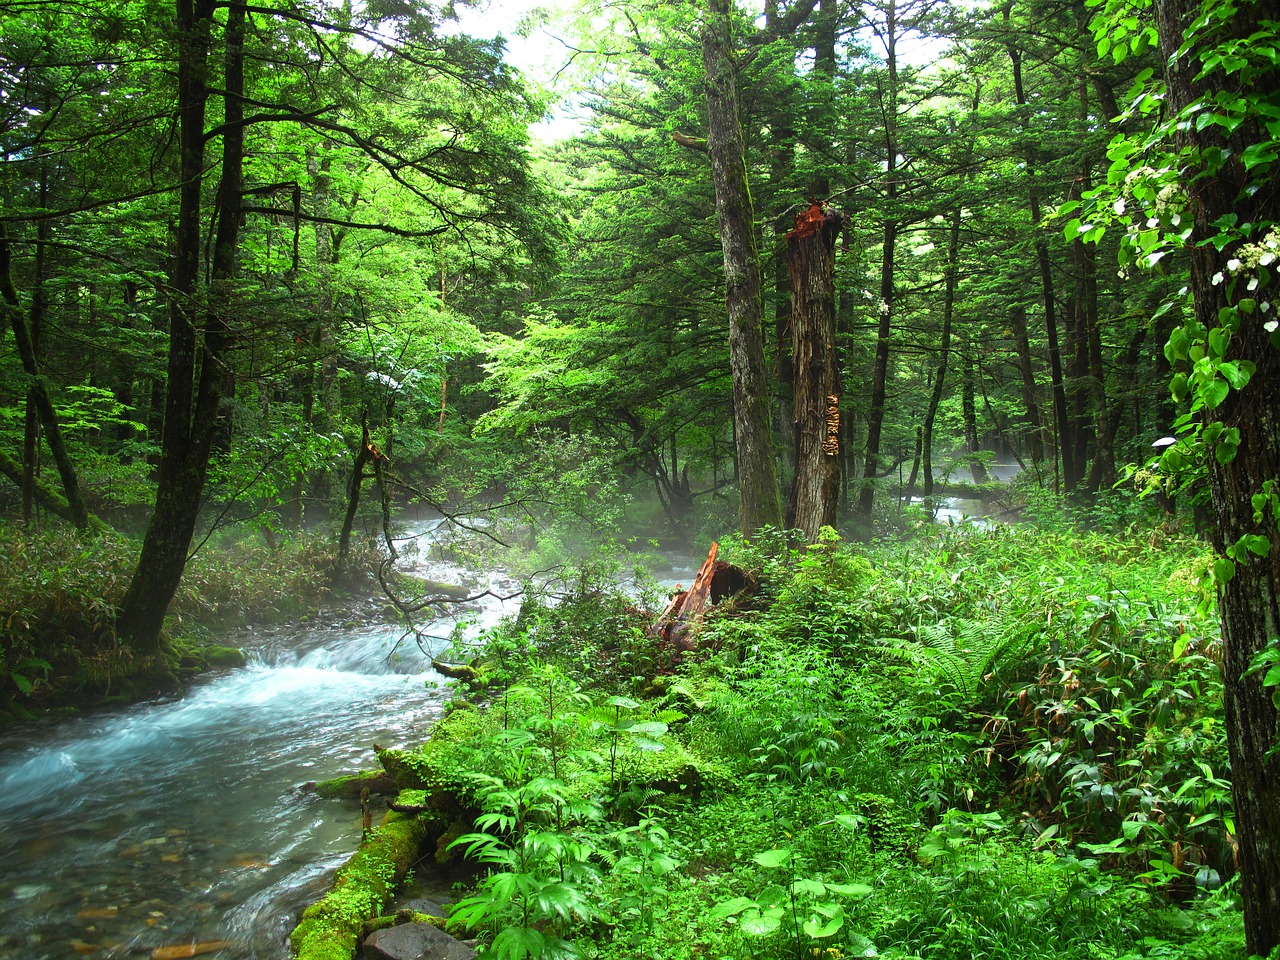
(1271, 325)
(1176, 219)
(1118, 206)
(1264, 306)
(1233, 264)
(1152, 222)
(1266, 258)
(1217, 278)
(1253, 283)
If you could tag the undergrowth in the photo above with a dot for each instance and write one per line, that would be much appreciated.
(1000, 744)
(58, 591)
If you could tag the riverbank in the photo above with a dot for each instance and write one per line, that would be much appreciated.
(999, 743)
(58, 650)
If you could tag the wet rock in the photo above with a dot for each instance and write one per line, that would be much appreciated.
(415, 941)
(422, 905)
(182, 951)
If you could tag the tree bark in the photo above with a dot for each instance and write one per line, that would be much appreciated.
(1061, 417)
(38, 392)
(1249, 601)
(197, 337)
(944, 354)
(1022, 345)
(757, 478)
(969, 412)
(811, 263)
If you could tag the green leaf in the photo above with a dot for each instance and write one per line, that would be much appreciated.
(849, 889)
(731, 908)
(772, 859)
(1223, 570)
(1256, 544)
(818, 927)
(756, 924)
(803, 885)
(1214, 392)
(1260, 153)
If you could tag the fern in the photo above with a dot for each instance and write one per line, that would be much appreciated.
(959, 654)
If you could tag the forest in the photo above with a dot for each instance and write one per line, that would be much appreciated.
(324, 319)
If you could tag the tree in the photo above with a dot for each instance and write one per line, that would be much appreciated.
(1204, 181)
(811, 259)
(757, 480)
(459, 156)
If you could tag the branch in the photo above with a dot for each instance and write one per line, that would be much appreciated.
(385, 228)
(693, 143)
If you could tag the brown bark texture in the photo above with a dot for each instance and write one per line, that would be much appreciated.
(811, 264)
(757, 478)
(1250, 601)
(198, 374)
(38, 394)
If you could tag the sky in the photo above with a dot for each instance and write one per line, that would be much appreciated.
(538, 55)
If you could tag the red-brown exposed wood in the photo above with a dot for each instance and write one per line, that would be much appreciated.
(679, 622)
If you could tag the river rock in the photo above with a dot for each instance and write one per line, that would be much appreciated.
(182, 951)
(415, 941)
(422, 905)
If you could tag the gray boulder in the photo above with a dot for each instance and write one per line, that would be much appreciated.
(415, 941)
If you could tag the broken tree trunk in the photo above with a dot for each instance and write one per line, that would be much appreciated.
(679, 622)
(811, 264)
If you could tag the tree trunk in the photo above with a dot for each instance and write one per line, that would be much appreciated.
(191, 405)
(811, 262)
(38, 392)
(880, 369)
(757, 479)
(1022, 344)
(1060, 415)
(944, 352)
(1249, 601)
(969, 412)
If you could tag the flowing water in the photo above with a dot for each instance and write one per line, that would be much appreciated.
(185, 821)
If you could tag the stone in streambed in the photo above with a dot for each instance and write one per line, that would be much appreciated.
(182, 951)
(422, 905)
(98, 913)
(415, 941)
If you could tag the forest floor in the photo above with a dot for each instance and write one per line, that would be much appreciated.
(999, 743)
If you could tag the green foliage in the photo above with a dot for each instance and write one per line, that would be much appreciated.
(58, 592)
(1040, 776)
(330, 928)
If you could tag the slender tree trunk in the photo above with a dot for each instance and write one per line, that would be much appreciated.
(1249, 601)
(39, 303)
(1022, 345)
(944, 352)
(1061, 418)
(811, 259)
(880, 370)
(969, 411)
(192, 404)
(757, 480)
(38, 391)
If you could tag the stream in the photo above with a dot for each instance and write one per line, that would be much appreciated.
(185, 821)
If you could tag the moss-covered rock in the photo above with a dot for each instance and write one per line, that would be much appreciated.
(331, 928)
(218, 657)
(349, 787)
